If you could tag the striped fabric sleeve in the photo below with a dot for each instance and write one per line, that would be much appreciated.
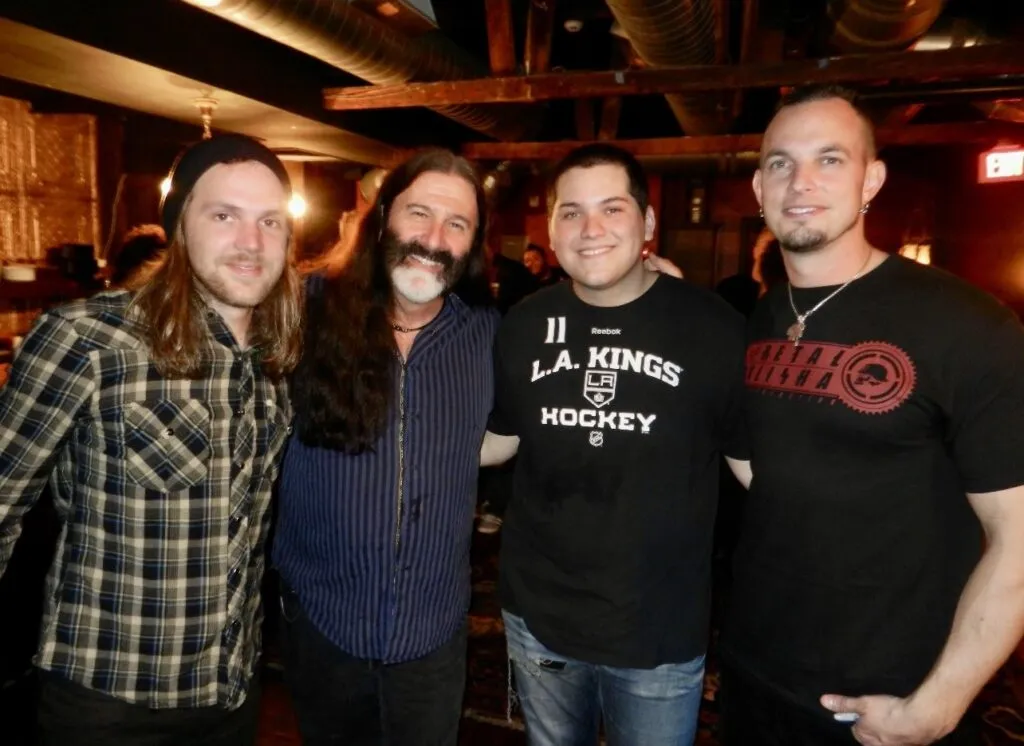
(49, 381)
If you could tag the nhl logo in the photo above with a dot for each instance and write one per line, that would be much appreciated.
(599, 387)
(596, 438)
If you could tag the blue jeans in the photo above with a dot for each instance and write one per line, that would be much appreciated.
(564, 699)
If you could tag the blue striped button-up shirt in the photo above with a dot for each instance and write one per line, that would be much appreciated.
(376, 545)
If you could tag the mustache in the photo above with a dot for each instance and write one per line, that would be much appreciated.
(396, 251)
(442, 257)
(244, 257)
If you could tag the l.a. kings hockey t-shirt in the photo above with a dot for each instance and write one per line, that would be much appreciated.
(622, 413)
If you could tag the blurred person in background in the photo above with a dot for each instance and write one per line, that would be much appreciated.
(142, 244)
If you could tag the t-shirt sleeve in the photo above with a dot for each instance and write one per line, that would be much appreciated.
(986, 423)
(501, 422)
(733, 426)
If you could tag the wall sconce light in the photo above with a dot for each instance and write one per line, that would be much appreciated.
(918, 252)
(297, 206)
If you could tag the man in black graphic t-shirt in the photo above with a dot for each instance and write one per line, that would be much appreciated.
(885, 404)
(620, 388)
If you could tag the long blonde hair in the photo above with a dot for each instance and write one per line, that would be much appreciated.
(169, 311)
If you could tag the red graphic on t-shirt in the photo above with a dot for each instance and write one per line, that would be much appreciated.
(870, 377)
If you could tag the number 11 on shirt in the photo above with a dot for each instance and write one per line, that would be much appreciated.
(556, 330)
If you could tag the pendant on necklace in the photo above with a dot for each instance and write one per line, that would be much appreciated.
(795, 332)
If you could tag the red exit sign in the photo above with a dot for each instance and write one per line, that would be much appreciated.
(1002, 164)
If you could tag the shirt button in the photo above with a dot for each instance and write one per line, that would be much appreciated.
(233, 575)
(169, 432)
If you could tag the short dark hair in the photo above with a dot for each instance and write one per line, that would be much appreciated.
(600, 154)
(534, 247)
(827, 92)
(141, 244)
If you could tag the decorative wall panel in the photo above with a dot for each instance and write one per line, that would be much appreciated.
(48, 190)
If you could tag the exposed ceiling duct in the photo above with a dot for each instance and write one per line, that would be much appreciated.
(883, 25)
(677, 33)
(960, 32)
(357, 43)
(858, 26)
(880, 25)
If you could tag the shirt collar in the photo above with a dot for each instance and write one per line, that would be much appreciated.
(220, 331)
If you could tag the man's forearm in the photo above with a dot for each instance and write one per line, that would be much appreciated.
(987, 627)
(741, 469)
(497, 449)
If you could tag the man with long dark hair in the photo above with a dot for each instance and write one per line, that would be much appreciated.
(157, 415)
(379, 483)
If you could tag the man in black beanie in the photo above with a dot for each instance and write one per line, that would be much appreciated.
(158, 416)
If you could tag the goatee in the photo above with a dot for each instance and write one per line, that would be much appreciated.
(804, 240)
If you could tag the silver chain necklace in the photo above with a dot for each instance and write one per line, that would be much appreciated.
(796, 330)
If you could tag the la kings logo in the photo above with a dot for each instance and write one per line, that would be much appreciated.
(599, 387)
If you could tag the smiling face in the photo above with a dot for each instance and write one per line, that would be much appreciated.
(431, 227)
(534, 261)
(597, 229)
(817, 172)
(236, 233)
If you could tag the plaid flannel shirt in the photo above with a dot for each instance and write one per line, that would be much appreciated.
(163, 488)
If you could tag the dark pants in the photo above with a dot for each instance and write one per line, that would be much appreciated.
(752, 715)
(340, 699)
(72, 715)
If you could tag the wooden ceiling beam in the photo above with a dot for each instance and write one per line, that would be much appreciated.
(982, 61)
(611, 108)
(747, 30)
(500, 39)
(722, 12)
(540, 26)
(585, 124)
(901, 115)
(984, 133)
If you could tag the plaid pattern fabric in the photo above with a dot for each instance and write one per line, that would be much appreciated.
(164, 489)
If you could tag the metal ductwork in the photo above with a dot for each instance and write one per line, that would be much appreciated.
(959, 32)
(883, 25)
(357, 43)
(880, 25)
(671, 32)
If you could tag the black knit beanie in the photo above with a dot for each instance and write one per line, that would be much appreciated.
(197, 159)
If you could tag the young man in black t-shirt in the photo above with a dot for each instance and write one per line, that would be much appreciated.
(886, 404)
(620, 389)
